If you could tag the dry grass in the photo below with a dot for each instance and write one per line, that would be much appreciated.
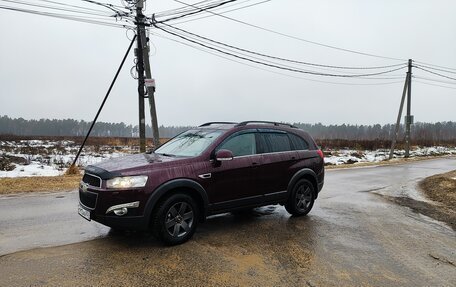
(441, 188)
(73, 170)
(39, 184)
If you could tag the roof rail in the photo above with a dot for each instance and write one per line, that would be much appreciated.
(266, 122)
(217, 123)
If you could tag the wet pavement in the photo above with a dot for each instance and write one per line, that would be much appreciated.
(352, 237)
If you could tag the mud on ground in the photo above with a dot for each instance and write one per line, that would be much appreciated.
(441, 189)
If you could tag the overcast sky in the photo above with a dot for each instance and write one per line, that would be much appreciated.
(54, 68)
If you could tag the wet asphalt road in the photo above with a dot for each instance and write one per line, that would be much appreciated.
(352, 237)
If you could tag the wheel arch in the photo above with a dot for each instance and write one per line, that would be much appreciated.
(188, 186)
(305, 173)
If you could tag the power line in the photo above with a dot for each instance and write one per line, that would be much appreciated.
(54, 8)
(431, 72)
(197, 10)
(434, 80)
(185, 9)
(448, 68)
(435, 85)
(223, 12)
(282, 59)
(291, 36)
(73, 6)
(437, 69)
(274, 72)
(62, 16)
(274, 65)
(292, 67)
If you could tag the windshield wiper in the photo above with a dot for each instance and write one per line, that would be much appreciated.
(167, 154)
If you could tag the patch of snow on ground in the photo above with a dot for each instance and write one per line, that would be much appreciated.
(348, 156)
(51, 158)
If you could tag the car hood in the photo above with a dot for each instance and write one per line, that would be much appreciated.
(133, 161)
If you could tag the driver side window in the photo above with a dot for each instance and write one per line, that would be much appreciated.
(240, 145)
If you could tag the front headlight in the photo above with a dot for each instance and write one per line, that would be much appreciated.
(127, 181)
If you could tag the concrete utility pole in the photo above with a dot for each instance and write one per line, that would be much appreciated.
(408, 118)
(140, 67)
(144, 66)
(399, 115)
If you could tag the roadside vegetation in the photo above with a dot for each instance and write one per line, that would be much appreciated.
(442, 188)
(11, 185)
(40, 163)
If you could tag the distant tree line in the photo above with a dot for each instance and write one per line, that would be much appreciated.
(429, 132)
(70, 127)
(440, 131)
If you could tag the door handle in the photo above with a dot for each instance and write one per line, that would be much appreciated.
(205, 176)
(254, 163)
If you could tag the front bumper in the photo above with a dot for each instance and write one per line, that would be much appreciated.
(99, 201)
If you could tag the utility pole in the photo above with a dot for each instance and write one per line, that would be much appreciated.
(142, 52)
(408, 118)
(140, 67)
(399, 115)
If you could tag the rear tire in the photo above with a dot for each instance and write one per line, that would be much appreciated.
(301, 199)
(175, 219)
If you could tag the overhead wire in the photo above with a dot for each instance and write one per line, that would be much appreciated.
(435, 85)
(280, 58)
(434, 80)
(179, 10)
(70, 5)
(272, 71)
(436, 69)
(255, 57)
(196, 11)
(25, 3)
(275, 65)
(291, 36)
(434, 73)
(443, 67)
(63, 16)
(224, 11)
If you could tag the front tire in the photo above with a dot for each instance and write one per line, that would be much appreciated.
(301, 199)
(175, 219)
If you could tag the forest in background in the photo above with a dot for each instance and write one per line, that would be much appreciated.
(428, 133)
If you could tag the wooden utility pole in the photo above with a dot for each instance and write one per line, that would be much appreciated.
(408, 118)
(144, 67)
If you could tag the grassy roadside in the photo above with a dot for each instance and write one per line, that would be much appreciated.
(71, 182)
(441, 188)
(39, 184)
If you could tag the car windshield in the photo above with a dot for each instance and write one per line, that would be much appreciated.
(189, 143)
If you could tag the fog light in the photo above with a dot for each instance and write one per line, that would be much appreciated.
(121, 211)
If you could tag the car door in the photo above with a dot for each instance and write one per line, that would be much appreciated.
(278, 159)
(233, 182)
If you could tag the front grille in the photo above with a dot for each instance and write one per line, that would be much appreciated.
(88, 199)
(91, 180)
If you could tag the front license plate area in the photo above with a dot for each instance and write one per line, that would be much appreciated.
(83, 212)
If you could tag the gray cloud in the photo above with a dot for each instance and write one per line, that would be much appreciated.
(56, 68)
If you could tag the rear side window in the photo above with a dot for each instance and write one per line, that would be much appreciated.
(275, 142)
(239, 145)
(298, 142)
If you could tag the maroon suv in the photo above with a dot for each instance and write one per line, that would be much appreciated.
(215, 168)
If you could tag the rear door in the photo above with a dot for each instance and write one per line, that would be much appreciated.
(278, 160)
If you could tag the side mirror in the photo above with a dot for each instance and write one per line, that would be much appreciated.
(223, 155)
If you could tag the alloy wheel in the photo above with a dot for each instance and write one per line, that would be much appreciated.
(179, 219)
